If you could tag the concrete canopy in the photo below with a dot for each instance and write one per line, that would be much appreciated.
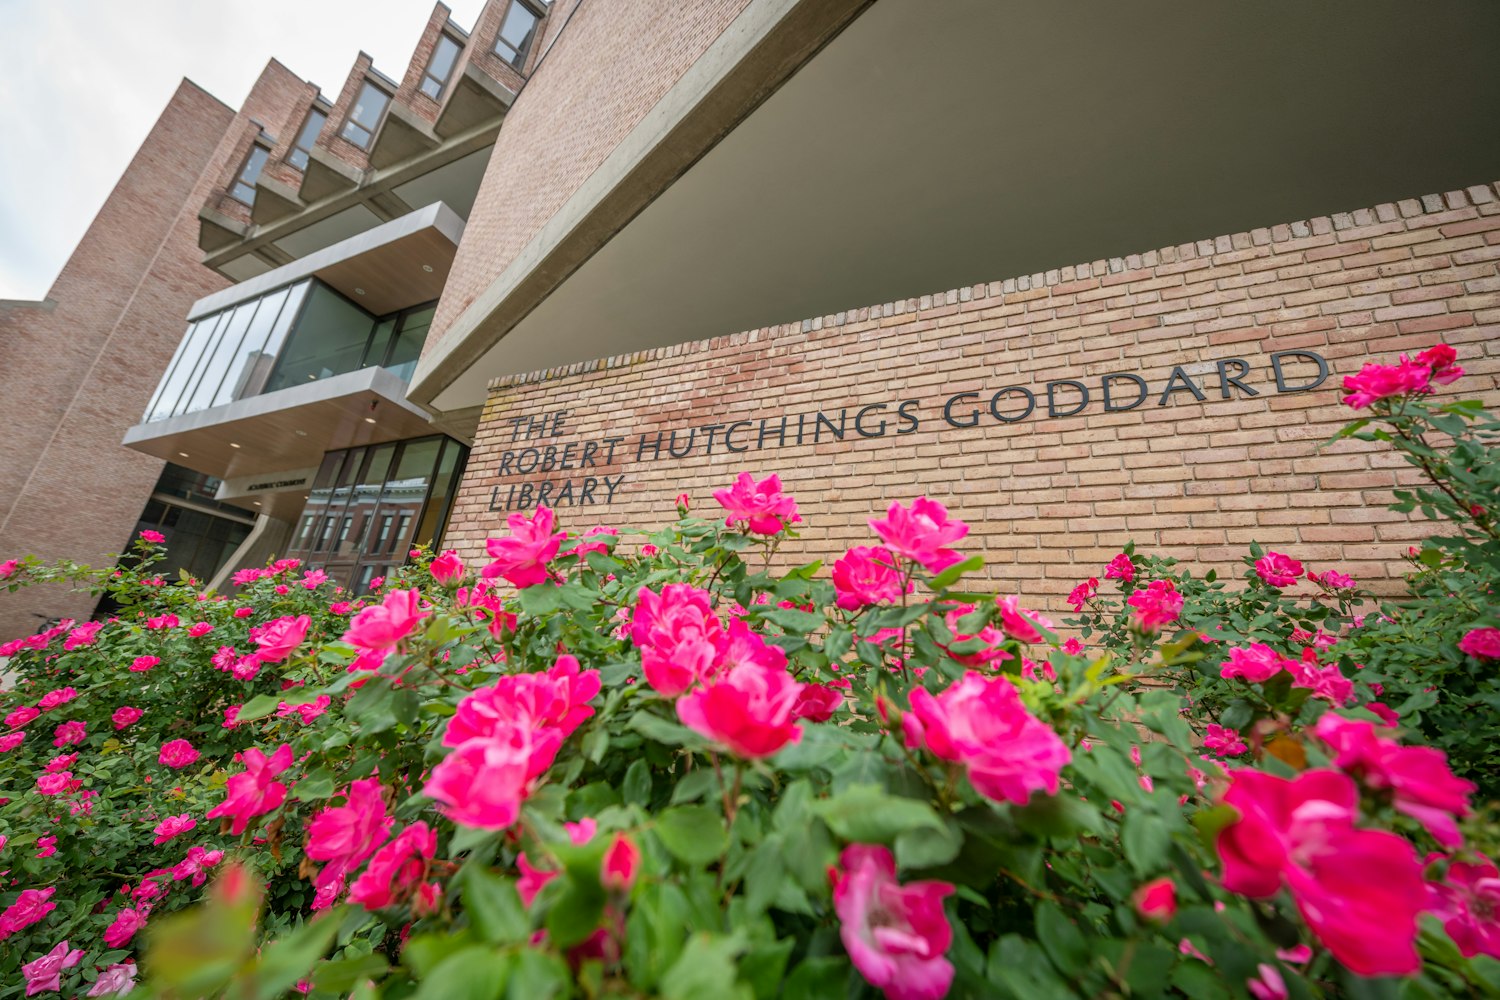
(930, 146)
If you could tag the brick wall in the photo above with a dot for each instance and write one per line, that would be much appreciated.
(90, 365)
(1051, 499)
(599, 79)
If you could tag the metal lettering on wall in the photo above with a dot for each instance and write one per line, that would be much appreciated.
(1117, 392)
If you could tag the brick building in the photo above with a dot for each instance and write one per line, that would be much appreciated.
(595, 254)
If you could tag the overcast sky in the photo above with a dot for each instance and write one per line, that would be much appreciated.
(85, 79)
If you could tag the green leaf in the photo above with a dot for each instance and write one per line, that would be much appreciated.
(474, 973)
(537, 975)
(258, 707)
(817, 979)
(694, 834)
(654, 727)
(925, 848)
(865, 814)
(316, 785)
(494, 906)
(800, 622)
(341, 976)
(840, 638)
(637, 785)
(541, 599)
(576, 913)
(292, 957)
(1061, 939)
(951, 575)
(706, 968)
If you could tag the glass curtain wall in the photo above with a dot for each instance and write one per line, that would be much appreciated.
(369, 506)
(289, 337)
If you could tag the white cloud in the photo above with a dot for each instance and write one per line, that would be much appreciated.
(86, 79)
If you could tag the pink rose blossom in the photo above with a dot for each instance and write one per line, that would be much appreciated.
(61, 762)
(621, 865)
(867, 575)
(199, 629)
(1331, 579)
(48, 846)
(1278, 570)
(8, 568)
(344, 836)
(1254, 664)
(760, 506)
(177, 754)
(376, 582)
(749, 709)
(1360, 891)
(10, 741)
(31, 906)
(522, 557)
(921, 533)
(980, 722)
(1073, 647)
(395, 869)
(1223, 741)
(52, 699)
(1326, 682)
(1120, 568)
(1419, 778)
(141, 664)
(69, 732)
(1468, 904)
(313, 579)
(532, 881)
(556, 700)
(45, 974)
(116, 980)
(154, 537)
(1267, 984)
(232, 716)
(678, 635)
(1019, 623)
(447, 569)
(896, 935)
(1156, 606)
(1385, 712)
(1482, 643)
(21, 716)
(1374, 382)
(252, 793)
(243, 612)
(195, 865)
(598, 533)
(53, 784)
(483, 783)
(83, 635)
(172, 826)
(125, 924)
(246, 667)
(1440, 359)
(384, 625)
(1083, 593)
(991, 637)
(817, 703)
(280, 638)
(1156, 901)
(163, 622)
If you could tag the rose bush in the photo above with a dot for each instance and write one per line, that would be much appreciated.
(609, 765)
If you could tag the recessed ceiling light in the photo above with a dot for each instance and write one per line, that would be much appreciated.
(359, 291)
(369, 420)
(233, 445)
(302, 433)
(256, 502)
(427, 268)
(183, 454)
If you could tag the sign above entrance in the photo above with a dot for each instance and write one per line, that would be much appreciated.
(266, 482)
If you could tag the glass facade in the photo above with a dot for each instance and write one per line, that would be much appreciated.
(305, 139)
(369, 506)
(202, 533)
(294, 335)
(439, 67)
(359, 127)
(516, 33)
(244, 184)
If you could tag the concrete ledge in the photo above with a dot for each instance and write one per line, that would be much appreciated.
(327, 175)
(475, 98)
(273, 200)
(403, 135)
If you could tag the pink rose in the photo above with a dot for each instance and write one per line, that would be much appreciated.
(252, 793)
(921, 533)
(48, 846)
(1267, 984)
(126, 923)
(1019, 623)
(817, 703)
(1278, 570)
(199, 629)
(116, 980)
(447, 569)
(522, 557)
(598, 533)
(383, 625)
(52, 699)
(280, 638)
(1376, 382)
(750, 710)
(68, 733)
(1083, 593)
(10, 741)
(125, 715)
(395, 869)
(867, 575)
(162, 622)
(556, 700)
(1481, 643)
(141, 664)
(1156, 901)
(1360, 891)
(344, 836)
(177, 754)
(154, 537)
(54, 783)
(621, 865)
(172, 826)
(1120, 568)
(31, 906)
(1440, 359)
(21, 716)
(483, 783)
(1255, 664)
(1156, 605)
(760, 506)
(895, 934)
(678, 636)
(45, 974)
(1468, 904)
(313, 578)
(1223, 741)
(1326, 682)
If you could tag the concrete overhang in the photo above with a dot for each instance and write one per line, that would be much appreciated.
(217, 230)
(397, 264)
(327, 175)
(931, 146)
(274, 200)
(475, 99)
(287, 429)
(402, 135)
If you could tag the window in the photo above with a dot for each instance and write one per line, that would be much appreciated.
(244, 185)
(440, 67)
(516, 33)
(359, 127)
(305, 139)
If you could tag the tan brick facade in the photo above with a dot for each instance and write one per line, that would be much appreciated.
(84, 369)
(1051, 499)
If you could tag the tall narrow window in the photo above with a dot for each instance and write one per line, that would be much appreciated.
(516, 33)
(359, 127)
(244, 184)
(305, 139)
(440, 67)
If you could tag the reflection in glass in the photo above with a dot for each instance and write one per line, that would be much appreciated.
(514, 39)
(359, 127)
(216, 359)
(242, 357)
(439, 67)
(305, 139)
(329, 339)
